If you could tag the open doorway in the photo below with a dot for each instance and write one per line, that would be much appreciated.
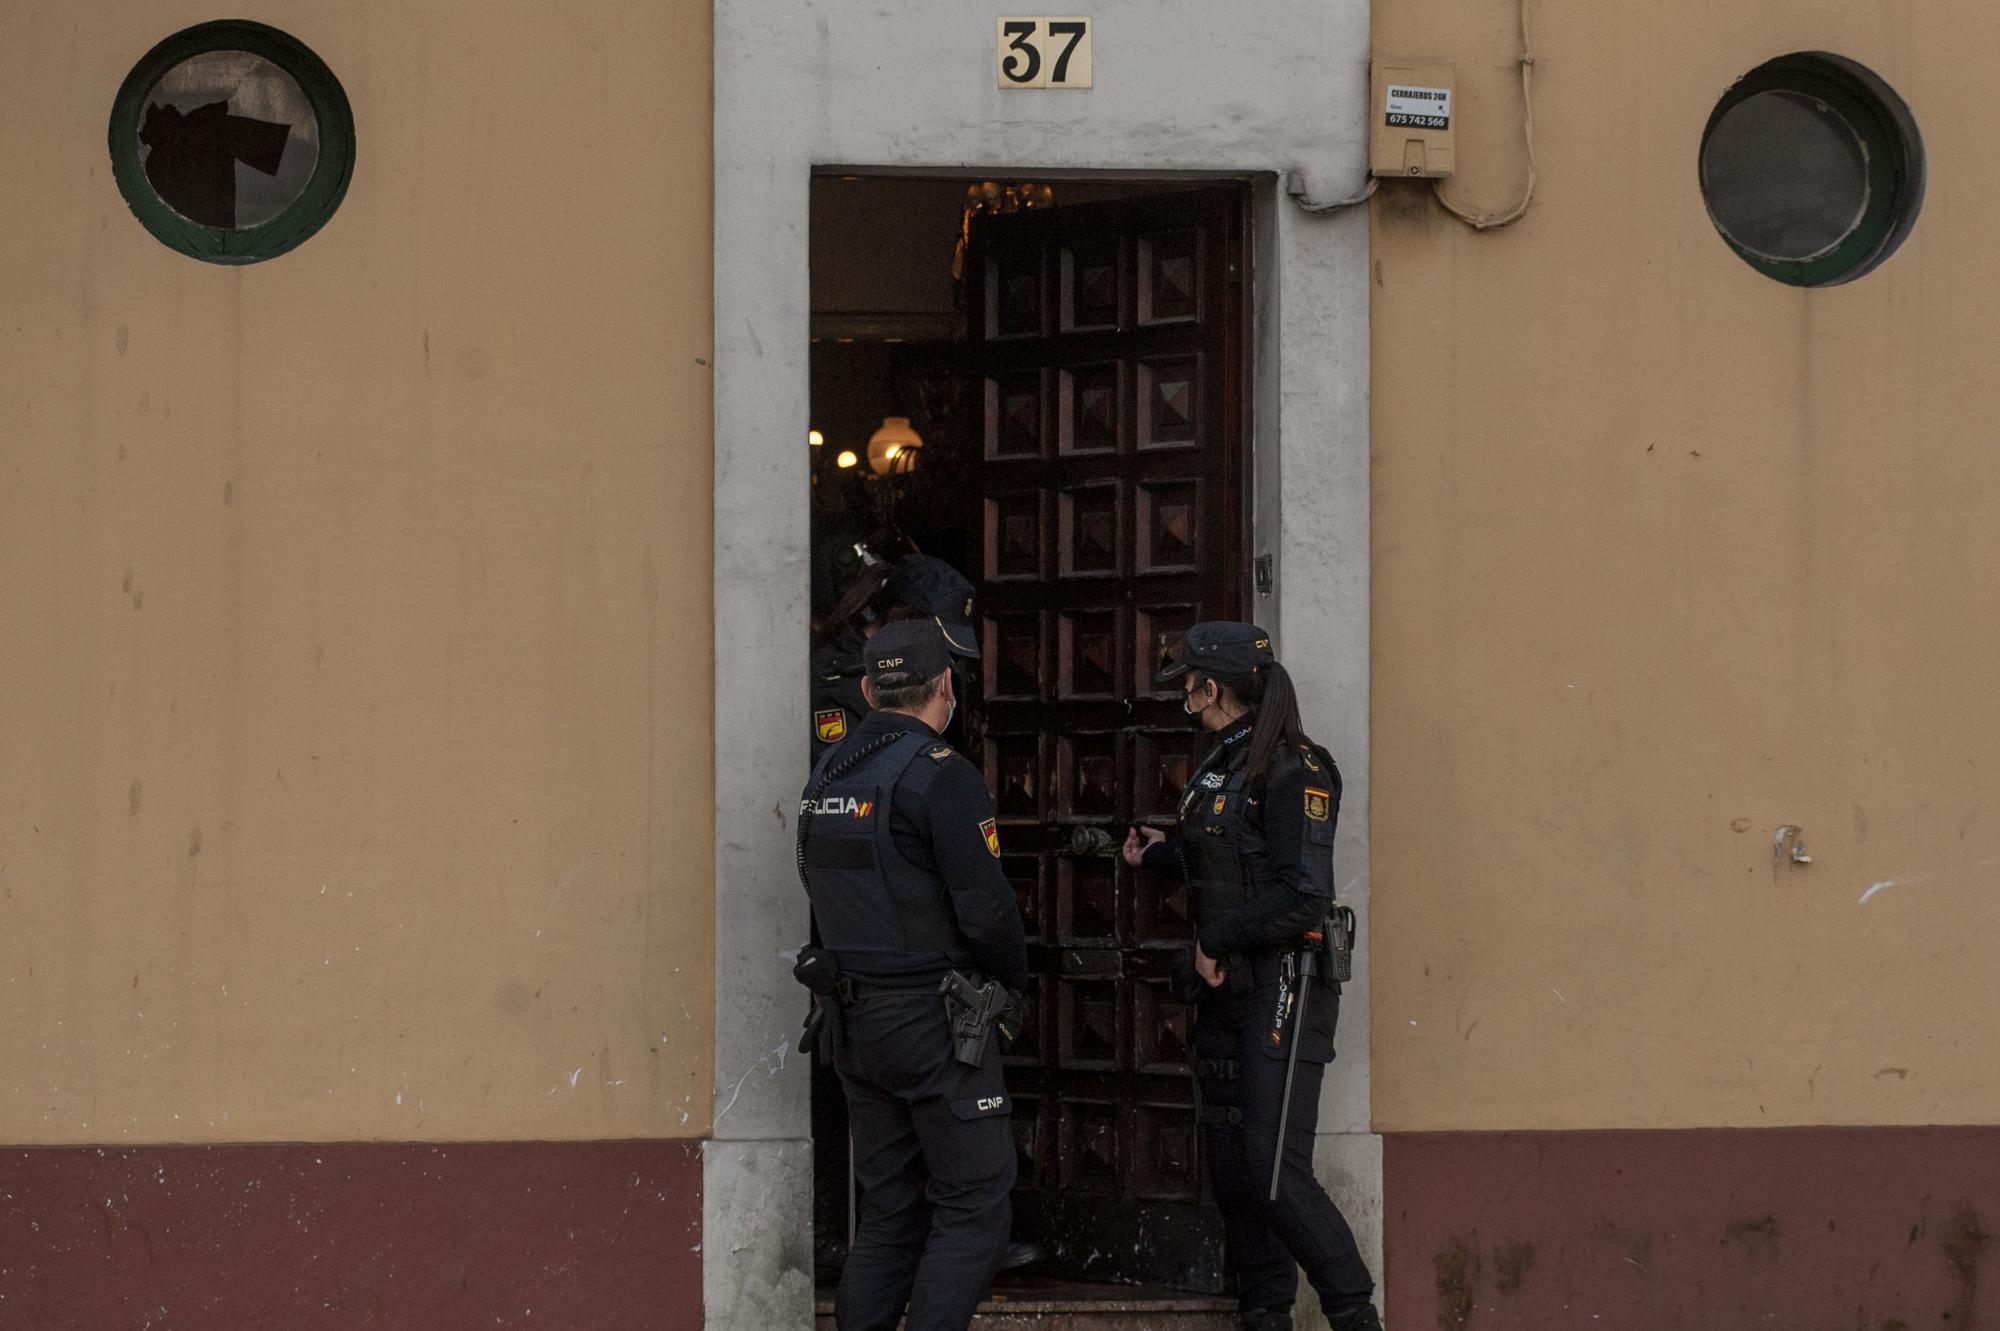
(1043, 383)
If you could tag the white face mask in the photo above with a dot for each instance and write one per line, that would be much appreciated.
(949, 713)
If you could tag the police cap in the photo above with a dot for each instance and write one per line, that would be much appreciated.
(911, 651)
(1218, 647)
(930, 586)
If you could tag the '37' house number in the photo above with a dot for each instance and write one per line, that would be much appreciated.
(1044, 53)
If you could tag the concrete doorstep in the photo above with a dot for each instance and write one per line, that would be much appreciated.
(1090, 1308)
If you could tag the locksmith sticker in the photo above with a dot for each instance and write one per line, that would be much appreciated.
(992, 835)
(1418, 108)
(1319, 804)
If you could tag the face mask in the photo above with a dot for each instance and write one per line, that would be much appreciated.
(949, 713)
(1194, 714)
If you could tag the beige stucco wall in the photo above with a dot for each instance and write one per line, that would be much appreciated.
(355, 674)
(1668, 555)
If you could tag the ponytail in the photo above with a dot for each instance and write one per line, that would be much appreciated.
(1274, 710)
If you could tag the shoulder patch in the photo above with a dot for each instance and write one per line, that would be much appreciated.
(992, 834)
(1319, 804)
(940, 753)
(1312, 762)
(830, 725)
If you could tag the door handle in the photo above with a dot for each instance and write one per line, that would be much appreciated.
(1085, 840)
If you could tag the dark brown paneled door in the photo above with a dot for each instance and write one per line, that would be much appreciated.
(1106, 349)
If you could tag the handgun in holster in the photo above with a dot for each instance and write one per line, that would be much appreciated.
(974, 1010)
(825, 1028)
(1337, 945)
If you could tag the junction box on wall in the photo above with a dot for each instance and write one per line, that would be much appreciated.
(1411, 113)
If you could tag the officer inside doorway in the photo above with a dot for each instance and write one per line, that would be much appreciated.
(900, 854)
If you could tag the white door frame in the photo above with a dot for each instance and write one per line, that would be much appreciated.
(799, 84)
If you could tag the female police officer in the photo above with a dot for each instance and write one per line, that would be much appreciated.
(1255, 845)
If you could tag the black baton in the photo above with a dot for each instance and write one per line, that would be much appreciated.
(1308, 967)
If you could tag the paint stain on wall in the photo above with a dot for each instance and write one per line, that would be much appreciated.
(1457, 1280)
(1964, 1243)
(1755, 1234)
(1511, 1264)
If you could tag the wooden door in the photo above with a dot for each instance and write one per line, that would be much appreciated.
(1106, 345)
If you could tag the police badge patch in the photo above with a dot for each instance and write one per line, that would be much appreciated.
(1319, 804)
(1220, 800)
(830, 725)
(992, 835)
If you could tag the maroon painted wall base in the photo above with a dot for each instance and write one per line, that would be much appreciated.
(1811, 1229)
(605, 1235)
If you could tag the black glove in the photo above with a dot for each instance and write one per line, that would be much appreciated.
(817, 970)
(1013, 1017)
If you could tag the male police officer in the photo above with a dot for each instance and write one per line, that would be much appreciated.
(900, 854)
(916, 587)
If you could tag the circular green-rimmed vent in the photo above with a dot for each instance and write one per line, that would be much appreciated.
(232, 142)
(1812, 169)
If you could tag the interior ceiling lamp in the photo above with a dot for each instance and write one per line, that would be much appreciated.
(815, 438)
(894, 447)
(991, 197)
(846, 459)
(987, 197)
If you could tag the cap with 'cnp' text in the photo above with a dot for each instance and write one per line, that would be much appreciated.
(911, 651)
(1218, 647)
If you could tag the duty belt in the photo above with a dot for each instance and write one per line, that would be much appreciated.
(854, 988)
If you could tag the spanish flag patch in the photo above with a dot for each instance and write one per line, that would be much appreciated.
(992, 834)
(830, 725)
(1319, 804)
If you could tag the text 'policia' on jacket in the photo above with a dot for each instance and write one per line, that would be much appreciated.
(877, 912)
(1224, 855)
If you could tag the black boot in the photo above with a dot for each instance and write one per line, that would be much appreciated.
(1020, 1253)
(1267, 1319)
(1364, 1318)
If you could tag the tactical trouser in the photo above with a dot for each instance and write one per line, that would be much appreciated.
(1242, 1085)
(934, 1157)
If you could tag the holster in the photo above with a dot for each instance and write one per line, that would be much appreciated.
(1337, 963)
(972, 1010)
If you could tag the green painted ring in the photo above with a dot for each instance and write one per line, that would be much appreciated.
(1884, 124)
(305, 214)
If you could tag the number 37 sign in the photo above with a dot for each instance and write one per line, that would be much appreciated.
(1044, 53)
